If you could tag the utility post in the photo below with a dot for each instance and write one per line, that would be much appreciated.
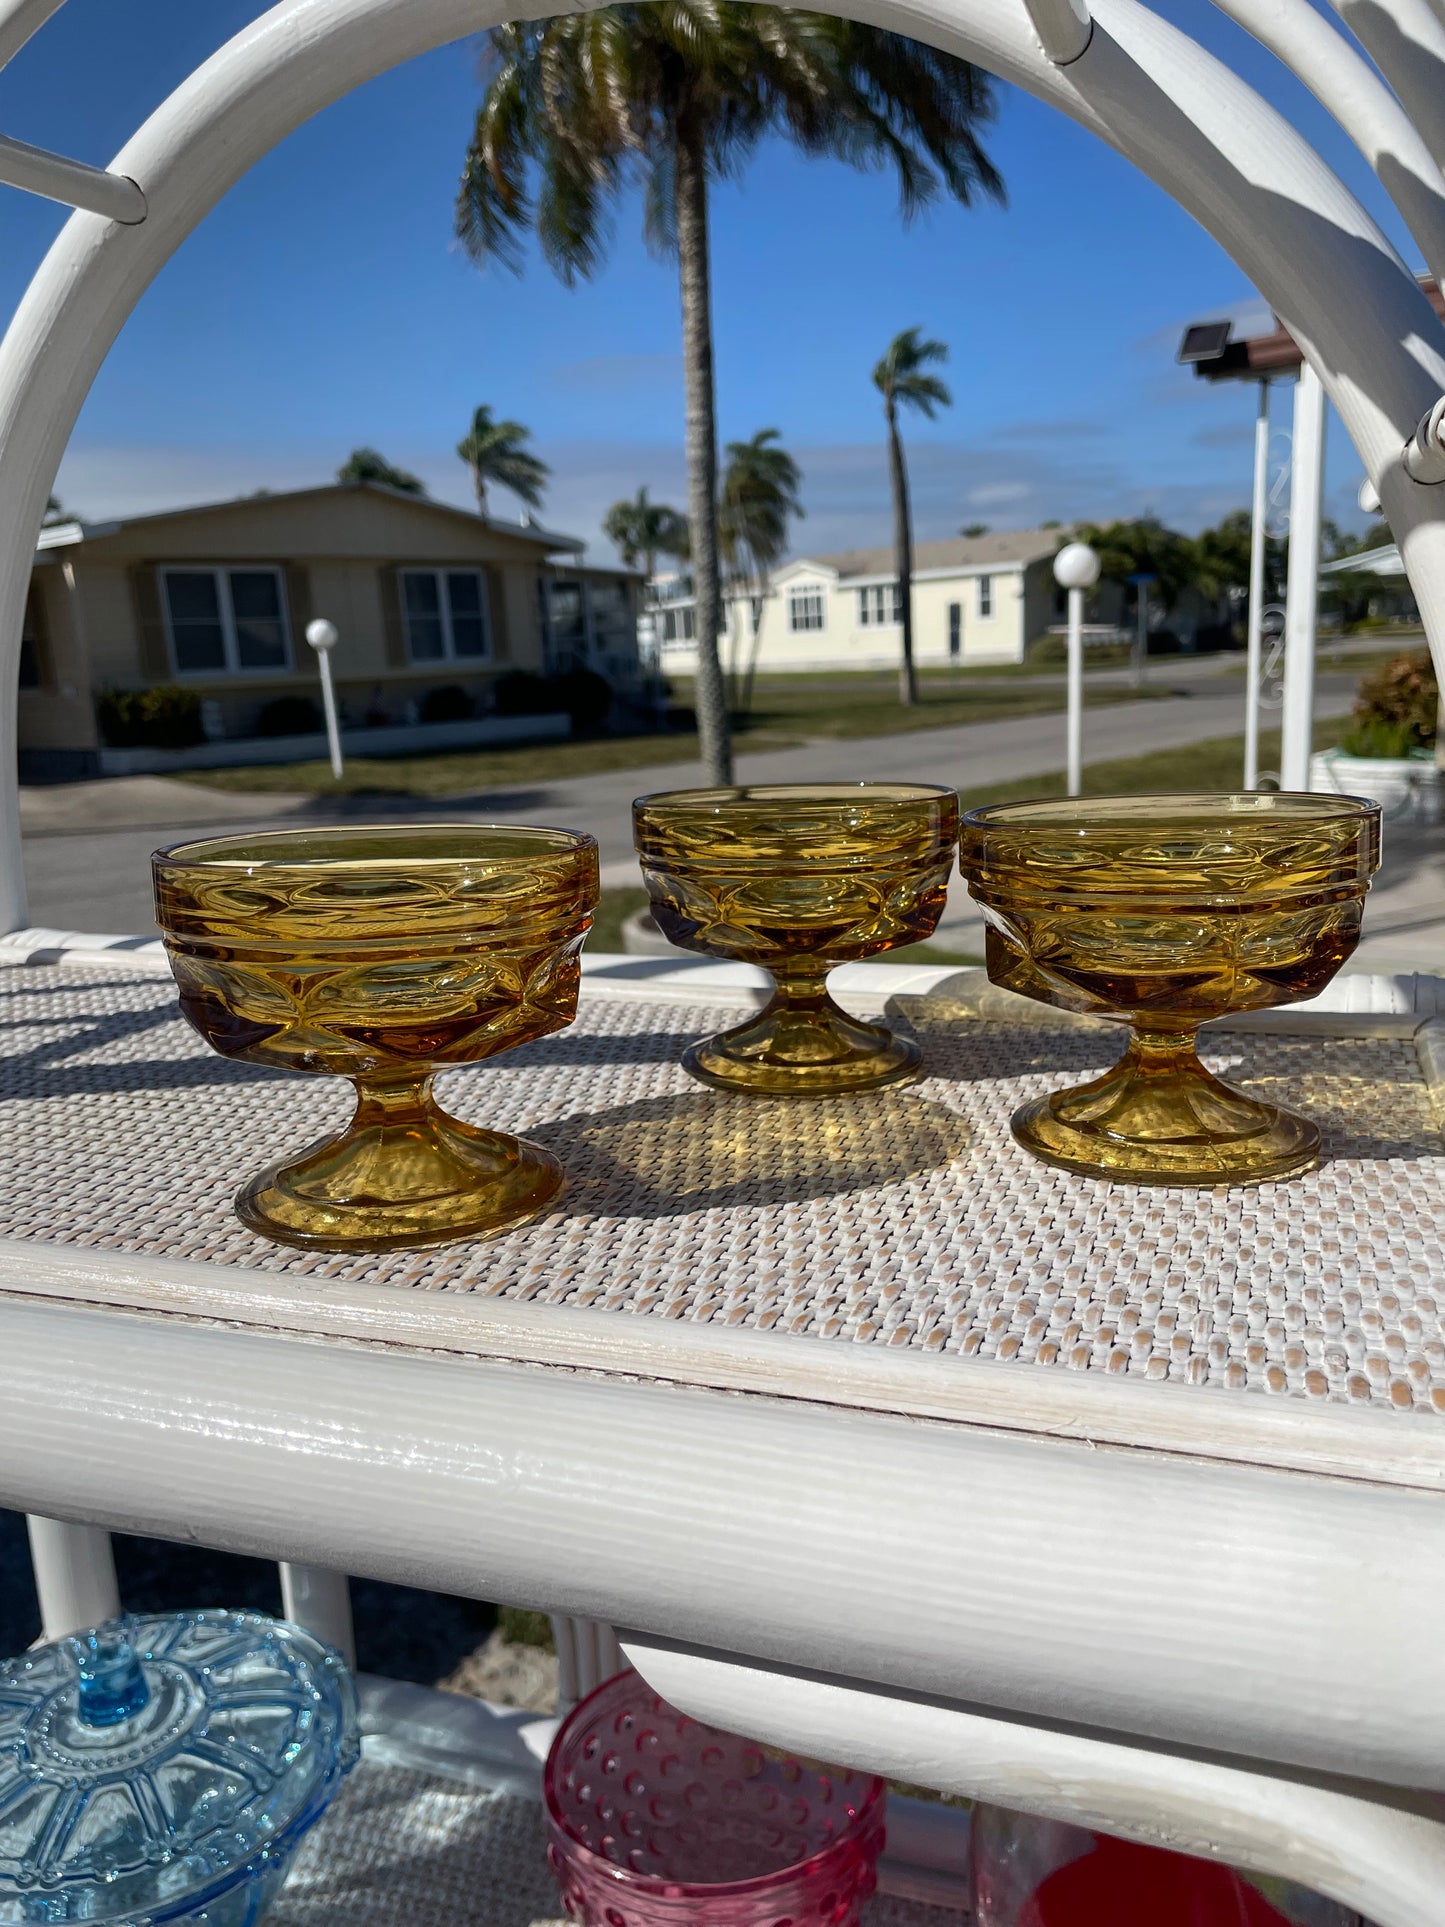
(1142, 582)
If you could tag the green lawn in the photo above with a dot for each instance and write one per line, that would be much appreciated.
(1217, 764)
(455, 772)
(865, 703)
(787, 710)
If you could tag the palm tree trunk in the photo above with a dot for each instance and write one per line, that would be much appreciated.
(903, 556)
(479, 483)
(690, 202)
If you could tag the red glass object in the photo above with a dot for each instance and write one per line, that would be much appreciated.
(655, 1820)
(1119, 1885)
(1030, 1872)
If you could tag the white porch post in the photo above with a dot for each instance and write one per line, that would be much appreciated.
(1258, 547)
(1302, 593)
(74, 1575)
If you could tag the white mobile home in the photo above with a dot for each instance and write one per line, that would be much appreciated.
(976, 599)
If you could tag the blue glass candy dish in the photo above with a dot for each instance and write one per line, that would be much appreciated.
(163, 1769)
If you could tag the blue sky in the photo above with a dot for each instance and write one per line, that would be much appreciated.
(324, 305)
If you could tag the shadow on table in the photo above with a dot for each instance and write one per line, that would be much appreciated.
(665, 1157)
(62, 1062)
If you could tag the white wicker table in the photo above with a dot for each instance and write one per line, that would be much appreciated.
(892, 1444)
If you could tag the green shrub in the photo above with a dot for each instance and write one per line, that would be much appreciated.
(449, 704)
(586, 697)
(165, 717)
(1052, 652)
(1397, 709)
(1375, 738)
(289, 716)
(520, 693)
(522, 1628)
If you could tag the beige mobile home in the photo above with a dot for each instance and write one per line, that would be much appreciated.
(216, 600)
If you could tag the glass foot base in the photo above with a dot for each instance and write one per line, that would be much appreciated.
(1179, 1126)
(388, 1186)
(817, 1052)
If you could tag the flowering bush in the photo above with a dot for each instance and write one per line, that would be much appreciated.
(1397, 708)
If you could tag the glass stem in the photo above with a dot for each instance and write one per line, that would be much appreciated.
(1161, 1047)
(392, 1103)
(801, 987)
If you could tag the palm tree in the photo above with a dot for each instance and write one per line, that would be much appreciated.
(902, 379)
(495, 452)
(675, 95)
(365, 465)
(760, 495)
(641, 530)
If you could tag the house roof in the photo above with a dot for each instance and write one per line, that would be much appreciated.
(66, 534)
(1001, 548)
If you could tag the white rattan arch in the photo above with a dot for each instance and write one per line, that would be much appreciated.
(1160, 99)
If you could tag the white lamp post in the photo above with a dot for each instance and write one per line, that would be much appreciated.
(1076, 568)
(1258, 543)
(323, 637)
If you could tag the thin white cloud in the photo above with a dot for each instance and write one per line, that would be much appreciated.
(998, 495)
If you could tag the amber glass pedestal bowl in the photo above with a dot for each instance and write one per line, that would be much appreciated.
(383, 955)
(798, 878)
(1165, 911)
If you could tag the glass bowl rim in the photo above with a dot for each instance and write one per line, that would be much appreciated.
(803, 795)
(1057, 812)
(869, 1809)
(189, 856)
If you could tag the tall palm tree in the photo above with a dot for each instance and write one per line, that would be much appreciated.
(759, 497)
(676, 94)
(496, 452)
(641, 530)
(366, 465)
(902, 379)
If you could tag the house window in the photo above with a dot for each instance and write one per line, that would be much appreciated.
(879, 604)
(679, 623)
(32, 674)
(225, 622)
(985, 596)
(955, 628)
(445, 614)
(805, 611)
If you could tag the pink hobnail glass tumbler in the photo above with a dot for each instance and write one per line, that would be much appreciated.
(654, 1820)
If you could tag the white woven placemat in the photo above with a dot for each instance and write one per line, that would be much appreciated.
(399, 1846)
(907, 1219)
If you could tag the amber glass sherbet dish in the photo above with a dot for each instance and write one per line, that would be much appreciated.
(383, 955)
(1165, 911)
(798, 878)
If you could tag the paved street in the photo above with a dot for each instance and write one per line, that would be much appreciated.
(87, 844)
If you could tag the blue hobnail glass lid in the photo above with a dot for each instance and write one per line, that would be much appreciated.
(150, 1764)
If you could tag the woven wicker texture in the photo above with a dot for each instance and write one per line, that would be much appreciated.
(902, 1218)
(399, 1846)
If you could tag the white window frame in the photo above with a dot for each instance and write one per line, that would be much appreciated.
(223, 572)
(872, 602)
(444, 607)
(985, 598)
(809, 592)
